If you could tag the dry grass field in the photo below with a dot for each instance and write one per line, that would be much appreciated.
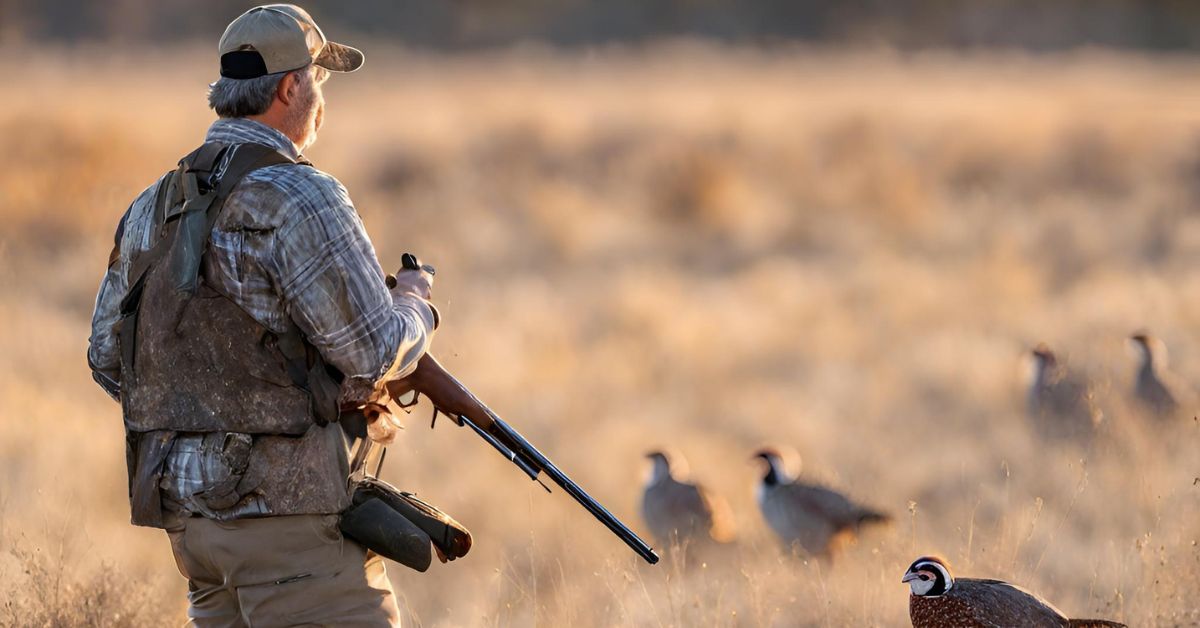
(844, 253)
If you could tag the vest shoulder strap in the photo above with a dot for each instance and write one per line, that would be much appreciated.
(214, 173)
(186, 206)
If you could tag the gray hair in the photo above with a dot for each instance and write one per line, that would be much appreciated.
(238, 98)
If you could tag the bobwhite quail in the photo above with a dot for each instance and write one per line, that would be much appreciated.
(939, 600)
(1150, 389)
(815, 518)
(1060, 404)
(680, 512)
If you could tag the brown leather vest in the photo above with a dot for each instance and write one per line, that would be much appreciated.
(204, 365)
(192, 360)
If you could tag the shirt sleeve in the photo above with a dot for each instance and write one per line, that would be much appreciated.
(333, 287)
(132, 235)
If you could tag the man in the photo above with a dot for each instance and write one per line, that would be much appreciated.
(243, 306)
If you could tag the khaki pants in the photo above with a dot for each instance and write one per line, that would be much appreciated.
(279, 571)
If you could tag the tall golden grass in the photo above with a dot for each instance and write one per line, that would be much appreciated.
(708, 248)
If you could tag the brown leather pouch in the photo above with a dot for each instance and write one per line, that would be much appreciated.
(379, 528)
(452, 539)
(396, 524)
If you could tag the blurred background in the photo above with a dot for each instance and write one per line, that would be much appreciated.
(910, 24)
(834, 227)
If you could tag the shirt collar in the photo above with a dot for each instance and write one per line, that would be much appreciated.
(244, 130)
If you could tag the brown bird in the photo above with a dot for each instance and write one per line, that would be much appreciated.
(681, 512)
(1150, 389)
(815, 518)
(940, 600)
(1060, 404)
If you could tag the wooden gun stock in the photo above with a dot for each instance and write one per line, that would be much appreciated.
(445, 392)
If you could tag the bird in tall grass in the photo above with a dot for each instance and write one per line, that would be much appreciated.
(939, 600)
(1060, 404)
(681, 512)
(816, 519)
(1151, 388)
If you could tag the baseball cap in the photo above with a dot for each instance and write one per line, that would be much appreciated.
(278, 38)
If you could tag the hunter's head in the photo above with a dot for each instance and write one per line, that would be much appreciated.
(274, 59)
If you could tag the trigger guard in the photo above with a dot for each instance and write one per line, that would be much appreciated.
(414, 398)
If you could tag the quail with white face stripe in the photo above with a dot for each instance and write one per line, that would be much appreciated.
(813, 518)
(681, 512)
(939, 600)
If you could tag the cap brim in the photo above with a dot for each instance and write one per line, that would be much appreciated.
(337, 57)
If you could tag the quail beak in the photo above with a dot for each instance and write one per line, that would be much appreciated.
(909, 577)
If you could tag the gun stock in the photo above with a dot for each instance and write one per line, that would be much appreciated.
(452, 398)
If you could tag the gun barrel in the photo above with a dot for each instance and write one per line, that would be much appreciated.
(529, 469)
(519, 448)
(451, 397)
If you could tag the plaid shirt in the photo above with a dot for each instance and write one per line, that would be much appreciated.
(287, 247)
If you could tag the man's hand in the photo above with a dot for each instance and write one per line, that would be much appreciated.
(415, 282)
(412, 278)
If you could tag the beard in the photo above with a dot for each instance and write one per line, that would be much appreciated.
(305, 117)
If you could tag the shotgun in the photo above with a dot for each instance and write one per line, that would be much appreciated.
(451, 398)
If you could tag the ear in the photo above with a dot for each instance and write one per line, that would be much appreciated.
(286, 90)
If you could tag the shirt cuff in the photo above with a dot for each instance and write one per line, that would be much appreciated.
(414, 311)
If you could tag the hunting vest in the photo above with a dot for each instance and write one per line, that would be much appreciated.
(192, 360)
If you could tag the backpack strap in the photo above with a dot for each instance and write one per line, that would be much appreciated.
(168, 193)
(206, 185)
(127, 325)
(308, 371)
